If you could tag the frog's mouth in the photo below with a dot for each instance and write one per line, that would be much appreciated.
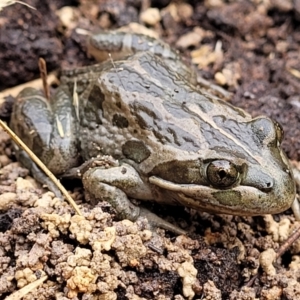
(239, 200)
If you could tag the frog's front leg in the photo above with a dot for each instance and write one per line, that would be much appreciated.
(115, 185)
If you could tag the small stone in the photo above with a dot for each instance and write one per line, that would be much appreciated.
(150, 16)
(7, 200)
(138, 28)
(189, 39)
(266, 260)
(185, 11)
(4, 160)
(220, 78)
(213, 3)
(67, 16)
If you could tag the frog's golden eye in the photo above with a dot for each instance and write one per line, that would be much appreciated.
(279, 132)
(222, 173)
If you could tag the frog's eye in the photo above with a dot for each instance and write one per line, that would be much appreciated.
(279, 132)
(222, 173)
(267, 131)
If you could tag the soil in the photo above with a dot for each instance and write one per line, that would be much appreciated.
(252, 49)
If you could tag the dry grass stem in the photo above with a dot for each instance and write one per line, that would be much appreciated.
(18, 295)
(44, 76)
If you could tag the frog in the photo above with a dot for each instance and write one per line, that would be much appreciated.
(157, 137)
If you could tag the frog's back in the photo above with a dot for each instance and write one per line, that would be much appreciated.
(139, 98)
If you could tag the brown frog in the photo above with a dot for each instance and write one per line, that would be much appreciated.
(170, 141)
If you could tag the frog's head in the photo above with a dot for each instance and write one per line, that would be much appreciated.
(243, 171)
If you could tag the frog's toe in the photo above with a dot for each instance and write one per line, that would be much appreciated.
(296, 208)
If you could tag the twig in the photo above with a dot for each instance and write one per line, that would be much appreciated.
(287, 244)
(44, 76)
(17, 140)
(112, 61)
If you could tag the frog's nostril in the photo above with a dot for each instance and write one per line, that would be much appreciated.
(259, 179)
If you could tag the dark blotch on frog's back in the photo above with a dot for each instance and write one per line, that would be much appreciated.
(136, 151)
(119, 121)
(93, 107)
(146, 114)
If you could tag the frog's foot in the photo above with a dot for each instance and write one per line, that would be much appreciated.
(296, 208)
(296, 204)
(114, 185)
(103, 161)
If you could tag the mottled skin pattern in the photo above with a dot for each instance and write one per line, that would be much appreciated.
(168, 137)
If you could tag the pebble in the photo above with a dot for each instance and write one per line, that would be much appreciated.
(151, 16)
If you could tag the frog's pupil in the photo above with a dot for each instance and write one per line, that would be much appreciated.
(222, 174)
